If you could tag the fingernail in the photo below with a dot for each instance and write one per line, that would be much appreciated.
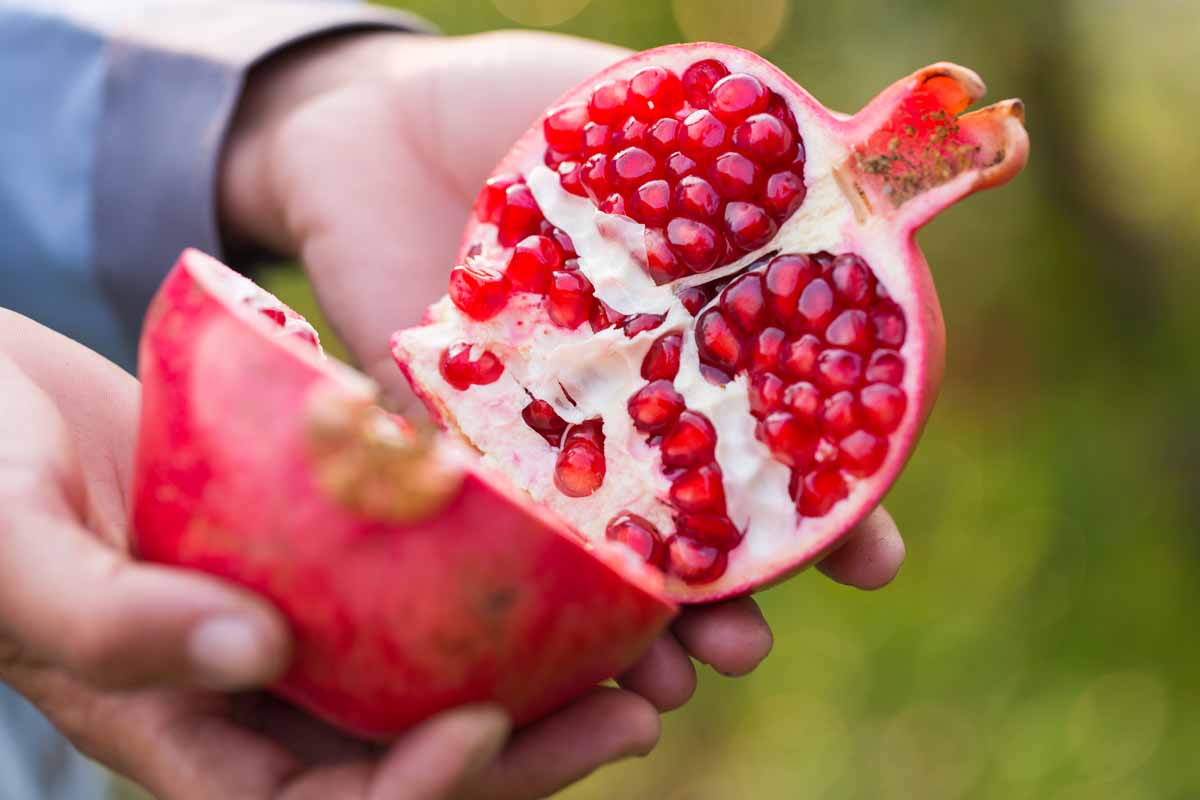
(230, 652)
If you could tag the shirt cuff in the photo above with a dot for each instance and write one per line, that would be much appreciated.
(172, 85)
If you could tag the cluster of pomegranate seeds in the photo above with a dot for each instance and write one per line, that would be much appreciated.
(580, 466)
(710, 162)
(818, 336)
(638, 534)
(463, 366)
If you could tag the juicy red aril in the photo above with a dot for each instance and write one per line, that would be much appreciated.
(607, 103)
(790, 440)
(563, 128)
(654, 92)
(718, 343)
(663, 135)
(678, 166)
(462, 368)
(697, 198)
(886, 366)
(816, 304)
(693, 562)
(532, 261)
(569, 298)
(699, 79)
(765, 393)
(888, 326)
(850, 329)
(594, 176)
(783, 194)
(839, 369)
(883, 407)
(735, 176)
(640, 323)
(613, 204)
(655, 406)
(748, 226)
(569, 174)
(852, 280)
(784, 280)
(631, 134)
(492, 197)
(661, 263)
(662, 359)
(579, 470)
(595, 137)
(799, 358)
(819, 491)
(699, 490)
(541, 417)
(651, 203)
(709, 529)
(275, 315)
(804, 401)
(703, 135)
(639, 535)
(603, 316)
(861, 453)
(698, 245)
(693, 298)
(763, 138)
(736, 97)
(840, 414)
(631, 167)
(743, 302)
(519, 216)
(478, 291)
(591, 430)
(690, 442)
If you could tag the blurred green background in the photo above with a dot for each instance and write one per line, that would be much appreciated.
(1041, 641)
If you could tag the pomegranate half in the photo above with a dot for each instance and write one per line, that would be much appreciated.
(414, 578)
(689, 313)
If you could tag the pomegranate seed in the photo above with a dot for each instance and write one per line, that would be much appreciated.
(462, 367)
(886, 366)
(744, 304)
(613, 204)
(699, 490)
(280, 319)
(839, 369)
(661, 263)
(715, 376)
(640, 323)
(662, 359)
(678, 166)
(594, 176)
(888, 324)
(491, 198)
(607, 103)
(639, 535)
(655, 407)
(478, 291)
(631, 134)
(703, 135)
(569, 299)
(840, 414)
(824, 261)
(765, 393)
(699, 79)
(738, 96)
(693, 562)
(532, 261)
(595, 137)
(709, 529)
(563, 127)
(861, 453)
(603, 316)
(850, 330)
(783, 194)
(569, 174)
(791, 442)
(631, 167)
(651, 203)
(696, 197)
(799, 359)
(784, 280)
(819, 490)
(852, 280)
(735, 176)
(560, 237)
(693, 298)
(691, 442)
(767, 348)
(662, 136)
(777, 107)
(717, 342)
(541, 417)
(519, 217)
(748, 225)
(654, 92)
(816, 304)
(590, 430)
(555, 159)
(763, 138)
(804, 401)
(883, 406)
(579, 470)
(697, 244)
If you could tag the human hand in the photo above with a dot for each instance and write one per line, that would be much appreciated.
(133, 662)
(361, 155)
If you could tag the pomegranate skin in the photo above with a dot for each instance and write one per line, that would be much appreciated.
(413, 579)
(840, 187)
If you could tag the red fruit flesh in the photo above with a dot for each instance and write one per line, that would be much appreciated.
(779, 342)
(413, 578)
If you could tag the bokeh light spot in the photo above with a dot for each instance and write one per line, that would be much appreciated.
(1117, 724)
(752, 24)
(540, 13)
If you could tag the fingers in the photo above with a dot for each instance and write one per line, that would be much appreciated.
(732, 636)
(664, 676)
(870, 557)
(604, 725)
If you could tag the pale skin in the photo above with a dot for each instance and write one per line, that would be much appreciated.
(360, 155)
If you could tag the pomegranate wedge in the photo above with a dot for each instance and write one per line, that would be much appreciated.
(689, 314)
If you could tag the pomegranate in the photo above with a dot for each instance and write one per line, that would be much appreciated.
(762, 341)
(414, 578)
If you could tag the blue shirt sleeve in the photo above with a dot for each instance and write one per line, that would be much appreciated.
(114, 115)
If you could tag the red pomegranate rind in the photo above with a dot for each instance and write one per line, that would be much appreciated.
(810, 336)
(400, 610)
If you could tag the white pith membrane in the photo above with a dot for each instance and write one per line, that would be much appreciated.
(585, 374)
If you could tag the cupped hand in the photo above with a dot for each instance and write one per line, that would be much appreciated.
(362, 154)
(136, 663)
